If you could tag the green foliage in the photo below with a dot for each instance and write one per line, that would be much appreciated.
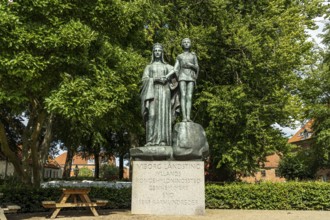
(82, 60)
(30, 199)
(118, 198)
(315, 90)
(109, 172)
(85, 172)
(299, 165)
(250, 79)
(79, 61)
(269, 196)
(264, 196)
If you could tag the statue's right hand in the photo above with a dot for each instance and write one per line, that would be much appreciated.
(164, 80)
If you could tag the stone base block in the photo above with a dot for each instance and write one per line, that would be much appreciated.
(168, 188)
(152, 153)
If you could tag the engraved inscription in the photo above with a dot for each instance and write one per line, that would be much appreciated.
(167, 186)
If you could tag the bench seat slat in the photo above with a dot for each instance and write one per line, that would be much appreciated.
(11, 209)
(67, 205)
(48, 202)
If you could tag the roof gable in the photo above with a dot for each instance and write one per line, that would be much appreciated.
(304, 133)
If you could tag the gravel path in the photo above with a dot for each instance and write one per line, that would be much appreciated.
(211, 214)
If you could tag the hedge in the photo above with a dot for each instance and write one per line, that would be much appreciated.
(270, 196)
(30, 199)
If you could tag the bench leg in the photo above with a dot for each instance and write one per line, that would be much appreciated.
(57, 210)
(2, 215)
(85, 198)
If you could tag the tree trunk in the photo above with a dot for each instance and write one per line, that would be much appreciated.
(36, 166)
(134, 142)
(68, 163)
(44, 151)
(6, 168)
(121, 166)
(12, 157)
(97, 163)
(26, 146)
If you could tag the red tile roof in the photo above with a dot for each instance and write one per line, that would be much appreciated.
(299, 135)
(51, 163)
(77, 159)
(61, 158)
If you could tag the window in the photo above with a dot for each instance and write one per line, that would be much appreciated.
(324, 178)
(277, 173)
(305, 134)
(263, 173)
(46, 173)
(90, 161)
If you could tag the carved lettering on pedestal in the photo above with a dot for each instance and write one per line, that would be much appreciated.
(168, 185)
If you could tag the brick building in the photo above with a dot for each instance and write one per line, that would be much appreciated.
(51, 168)
(304, 138)
(87, 162)
(268, 171)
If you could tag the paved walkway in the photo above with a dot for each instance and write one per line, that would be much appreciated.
(218, 214)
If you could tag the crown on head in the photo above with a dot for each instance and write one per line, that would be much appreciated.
(157, 45)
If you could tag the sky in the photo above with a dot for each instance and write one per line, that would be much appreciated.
(315, 34)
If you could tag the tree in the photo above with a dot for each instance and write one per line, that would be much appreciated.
(81, 61)
(315, 90)
(250, 55)
(297, 165)
(74, 60)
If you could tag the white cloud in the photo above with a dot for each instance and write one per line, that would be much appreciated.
(289, 132)
(315, 34)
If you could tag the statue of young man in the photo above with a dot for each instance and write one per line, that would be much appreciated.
(187, 69)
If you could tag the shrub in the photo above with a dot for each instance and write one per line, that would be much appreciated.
(109, 172)
(85, 172)
(30, 199)
(271, 196)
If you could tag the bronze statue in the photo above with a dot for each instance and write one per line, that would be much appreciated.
(156, 99)
(187, 69)
(159, 99)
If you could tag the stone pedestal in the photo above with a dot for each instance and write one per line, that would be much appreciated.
(168, 188)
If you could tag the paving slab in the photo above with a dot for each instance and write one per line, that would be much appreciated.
(211, 214)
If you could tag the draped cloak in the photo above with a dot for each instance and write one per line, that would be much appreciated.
(156, 102)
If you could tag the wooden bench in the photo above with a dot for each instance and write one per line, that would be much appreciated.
(74, 194)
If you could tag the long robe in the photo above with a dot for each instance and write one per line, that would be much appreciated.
(156, 105)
